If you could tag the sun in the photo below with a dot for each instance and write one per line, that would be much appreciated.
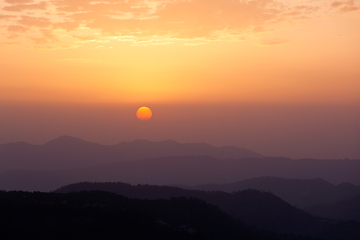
(144, 113)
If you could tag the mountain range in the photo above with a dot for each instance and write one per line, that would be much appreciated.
(348, 209)
(290, 196)
(253, 207)
(302, 193)
(68, 152)
(184, 170)
(103, 215)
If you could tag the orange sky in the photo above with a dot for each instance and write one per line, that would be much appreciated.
(181, 52)
(117, 51)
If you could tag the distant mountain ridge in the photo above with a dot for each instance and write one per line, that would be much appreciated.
(184, 170)
(301, 193)
(68, 152)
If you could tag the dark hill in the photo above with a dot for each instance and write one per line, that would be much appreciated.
(344, 210)
(253, 207)
(302, 193)
(102, 215)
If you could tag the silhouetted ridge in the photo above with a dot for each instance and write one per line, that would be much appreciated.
(16, 146)
(345, 210)
(172, 148)
(68, 152)
(93, 165)
(67, 141)
(102, 215)
(262, 209)
(302, 193)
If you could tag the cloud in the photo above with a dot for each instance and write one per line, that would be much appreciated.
(308, 9)
(204, 18)
(275, 41)
(79, 60)
(337, 4)
(15, 31)
(159, 20)
(19, 1)
(17, 28)
(85, 38)
(40, 22)
(183, 19)
(22, 7)
(345, 6)
(6, 17)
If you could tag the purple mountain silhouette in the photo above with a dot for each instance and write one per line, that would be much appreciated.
(68, 152)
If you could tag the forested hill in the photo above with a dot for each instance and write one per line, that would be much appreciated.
(262, 209)
(302, 193)
(102, 215)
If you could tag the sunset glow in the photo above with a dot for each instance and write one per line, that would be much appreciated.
(180, 119)
(167, 53)
(180, 51)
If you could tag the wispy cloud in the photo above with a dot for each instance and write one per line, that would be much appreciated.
(23, 7)
(133, 20)
(6, 17)
(345, 6)
(79, 60)
(275, 41)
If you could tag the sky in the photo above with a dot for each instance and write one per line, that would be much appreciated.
(278, 77)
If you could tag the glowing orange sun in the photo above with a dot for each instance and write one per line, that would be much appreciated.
(144, 113)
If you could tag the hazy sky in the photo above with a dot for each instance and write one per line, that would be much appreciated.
(278, 77)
